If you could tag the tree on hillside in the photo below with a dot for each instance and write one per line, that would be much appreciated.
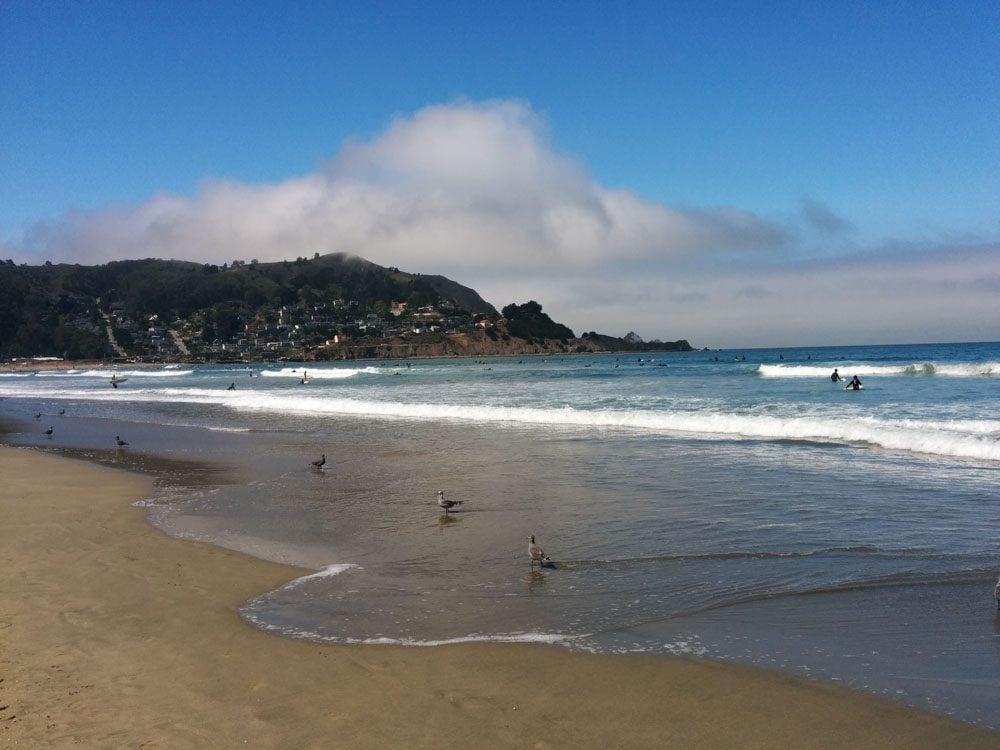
(527, 321)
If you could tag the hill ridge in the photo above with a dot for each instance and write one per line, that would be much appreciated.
(333, 306)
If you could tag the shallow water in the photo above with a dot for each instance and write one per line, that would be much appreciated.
(690, 504)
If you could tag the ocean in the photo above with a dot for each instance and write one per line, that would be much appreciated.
(729, 505)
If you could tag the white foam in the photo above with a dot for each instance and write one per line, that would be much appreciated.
(690, 646)
(107, 374)
(154, 373)
(498, 638)
(312, 635)
(320, 374)
(975, 439)
(982, 441)
(217, 396)
(958, 370)
(970, 370)
(58, 374)
(329, 570)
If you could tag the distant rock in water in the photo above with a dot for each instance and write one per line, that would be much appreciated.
(599, 342)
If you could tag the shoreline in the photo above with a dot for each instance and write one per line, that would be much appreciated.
(115, 634)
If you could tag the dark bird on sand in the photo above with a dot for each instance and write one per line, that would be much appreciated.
(38, 415)
(319, 464)
(447, 504)
(119, 442)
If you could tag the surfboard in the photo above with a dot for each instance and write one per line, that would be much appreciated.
(859, 388)
(118, 378)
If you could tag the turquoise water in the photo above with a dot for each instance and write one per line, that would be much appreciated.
(734, 505)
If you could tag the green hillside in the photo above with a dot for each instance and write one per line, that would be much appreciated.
(327, 307)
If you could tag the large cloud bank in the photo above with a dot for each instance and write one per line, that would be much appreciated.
(460, 185)
(475, 191)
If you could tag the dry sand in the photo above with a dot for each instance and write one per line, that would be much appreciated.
(115, 635)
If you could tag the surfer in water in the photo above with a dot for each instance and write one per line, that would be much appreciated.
(855, 384)
(836, 376)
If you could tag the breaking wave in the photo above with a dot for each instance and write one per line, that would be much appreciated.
(925, 369)
(320, 374)
(959, 438)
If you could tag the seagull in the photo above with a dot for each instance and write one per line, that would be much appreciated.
(536, 553)
(38, 415)
(447, 504)
(48, 432)
(118, 440)
(61, 412)
(319, 464)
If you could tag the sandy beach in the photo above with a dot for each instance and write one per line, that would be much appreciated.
(114, 635)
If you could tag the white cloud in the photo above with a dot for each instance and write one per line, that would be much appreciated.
(475, 191)
(465, 186)
(943, 293)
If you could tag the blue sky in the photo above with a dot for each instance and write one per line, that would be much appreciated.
(725, 172)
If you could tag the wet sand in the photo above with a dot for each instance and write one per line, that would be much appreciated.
(115, 635)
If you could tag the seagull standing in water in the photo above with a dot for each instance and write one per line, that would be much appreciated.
(119, 442)
(319, 464)
(535, 553)
(48, 432)
(447, 504)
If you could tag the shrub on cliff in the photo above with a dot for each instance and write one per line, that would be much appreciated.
(527, 321)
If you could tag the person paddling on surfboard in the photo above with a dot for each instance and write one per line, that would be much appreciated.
(855, 384)
(836, 376)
